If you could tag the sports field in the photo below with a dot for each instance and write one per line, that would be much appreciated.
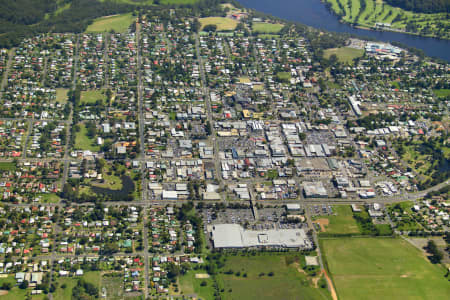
(382, 268)
(221, 23)
(344, 54)
(118, 23)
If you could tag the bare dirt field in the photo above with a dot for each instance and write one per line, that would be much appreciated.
(323, 224)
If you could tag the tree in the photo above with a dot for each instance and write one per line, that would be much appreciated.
(196, 25)
(23, 285)
(7, 286)
(210, 28)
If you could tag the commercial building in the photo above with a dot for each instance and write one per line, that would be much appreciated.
(234, 236)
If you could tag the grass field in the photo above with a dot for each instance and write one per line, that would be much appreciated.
(119, 23)
(70, 282)
(113, 286)
(344, 54)
(287, 281)
(262, 27)
(83, 142)
(61, 95)
(50, 198)
(90, 97)
(189, 285)
(15, 292)
(442, 93)
(388, 268)
(377, 11)
(343, 222)
(7, 166)
(223, 24)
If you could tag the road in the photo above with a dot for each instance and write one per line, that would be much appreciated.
(142, 155)
(207, 97)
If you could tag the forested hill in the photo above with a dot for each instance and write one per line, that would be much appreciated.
(423, 6)
(20, 18)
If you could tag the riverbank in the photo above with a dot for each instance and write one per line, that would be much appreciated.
(315, 14)
(376, 15)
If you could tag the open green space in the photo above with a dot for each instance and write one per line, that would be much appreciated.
(263, 27)
(15, 292)
(90, 97)
(61, 95)
(117, 23)
(267, 276)
(83, 142)
(70, 282)
(284, 76)
(113, 286)
(223, 24)
(50, 198)
(387, 267)
(442, 93)
(344, 54)
(367, 13)
(189, 285)
(342, 222)
(7, 166)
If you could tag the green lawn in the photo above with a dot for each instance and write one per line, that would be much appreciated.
(287, 281)
(221, 23)
(284, 76)
(442, 93)
(90, 97)
(66, 293)
(50, 198)
(7, 166)
(110, 181)
(83, 142)
(382, 268)
(344, 54)
(61, 95)
(263, 27)
(70, 282)
(342, 222)
(189, 285)
(118, 23)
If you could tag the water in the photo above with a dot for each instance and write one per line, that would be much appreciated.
(315, 14)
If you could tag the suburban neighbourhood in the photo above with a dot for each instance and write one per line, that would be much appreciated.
(202, 156)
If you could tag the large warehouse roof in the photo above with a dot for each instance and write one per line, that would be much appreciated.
(234, 236)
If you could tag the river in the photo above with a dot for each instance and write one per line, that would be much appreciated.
(314, 13)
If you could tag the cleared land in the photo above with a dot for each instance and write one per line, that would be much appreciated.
(223, 24)
(366, 13)
(263, 27)
(90, 97)
(388, 268)
(288, 281)
(118, 23)
(342, 222)
(344, 54)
